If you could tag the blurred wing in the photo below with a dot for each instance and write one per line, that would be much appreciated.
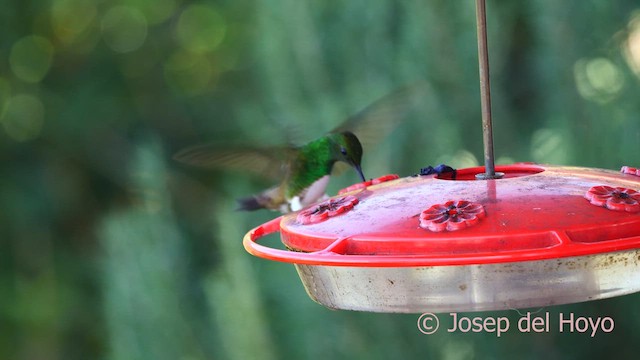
(377, 120)
(267, 162)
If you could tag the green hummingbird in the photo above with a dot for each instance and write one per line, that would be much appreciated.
(304, 171)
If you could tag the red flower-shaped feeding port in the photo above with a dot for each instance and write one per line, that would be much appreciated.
(630, 170)
(363, 185)
(451, 216)
(618, 198)
(326, 209)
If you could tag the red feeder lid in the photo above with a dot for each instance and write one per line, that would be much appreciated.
(533, 213)
(546, 221)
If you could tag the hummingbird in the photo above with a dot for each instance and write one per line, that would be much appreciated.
(303, 172)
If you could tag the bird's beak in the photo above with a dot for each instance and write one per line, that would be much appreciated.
(359, 170)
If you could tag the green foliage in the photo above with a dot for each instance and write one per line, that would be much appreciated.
(111, 250)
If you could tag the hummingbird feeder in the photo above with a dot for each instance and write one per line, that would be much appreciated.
(489, 238)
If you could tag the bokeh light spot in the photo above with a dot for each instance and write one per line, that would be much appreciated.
(632, 45)
(461, 159)
(502, 160)
(604, 75)
(30, 58)
(72, 19)
(5, 93)
(156, 11)
(200, 28)
(598, 79)
(23, 117)
(124, 29)
(187, 73)
(548, 146)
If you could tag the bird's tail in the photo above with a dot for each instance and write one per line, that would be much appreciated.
(250, 203)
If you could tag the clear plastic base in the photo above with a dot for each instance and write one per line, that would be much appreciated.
(485, 287)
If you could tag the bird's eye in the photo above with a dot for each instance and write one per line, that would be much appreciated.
(343, 151)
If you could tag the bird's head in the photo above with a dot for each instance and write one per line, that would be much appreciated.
(347, 148)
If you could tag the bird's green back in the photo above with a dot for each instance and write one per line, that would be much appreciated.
(313, 161)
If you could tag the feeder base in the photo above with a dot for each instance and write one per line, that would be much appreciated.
(500, 286)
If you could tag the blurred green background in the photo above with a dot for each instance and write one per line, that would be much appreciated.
(111, 250)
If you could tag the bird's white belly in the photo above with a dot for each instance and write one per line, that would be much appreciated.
(312, 194)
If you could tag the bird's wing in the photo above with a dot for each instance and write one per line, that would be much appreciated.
(377, 120)
(270, 163)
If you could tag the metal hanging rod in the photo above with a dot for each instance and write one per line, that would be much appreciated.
(485, 93)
